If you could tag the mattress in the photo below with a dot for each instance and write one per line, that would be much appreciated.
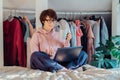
(91, 73)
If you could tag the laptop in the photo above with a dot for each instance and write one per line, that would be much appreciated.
(67, 54)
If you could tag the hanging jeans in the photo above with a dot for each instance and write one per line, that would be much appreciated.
(40, 60)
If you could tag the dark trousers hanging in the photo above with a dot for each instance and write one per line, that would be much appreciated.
(40, 60)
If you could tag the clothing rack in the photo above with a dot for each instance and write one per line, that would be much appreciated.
(19, 10)
(85, 13)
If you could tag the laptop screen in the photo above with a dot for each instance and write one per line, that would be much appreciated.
(67, 54)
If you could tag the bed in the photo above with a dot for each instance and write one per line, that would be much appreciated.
(91, 73)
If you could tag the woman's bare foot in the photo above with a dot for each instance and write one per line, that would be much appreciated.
(64, 70)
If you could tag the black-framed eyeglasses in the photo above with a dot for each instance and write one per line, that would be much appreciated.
(50, 20)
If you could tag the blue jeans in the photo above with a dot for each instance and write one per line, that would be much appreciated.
(40, 60)
(78, 62)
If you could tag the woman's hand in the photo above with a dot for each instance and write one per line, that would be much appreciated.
(26, 19)
(29, 24)
(50, 52)
(68, 36)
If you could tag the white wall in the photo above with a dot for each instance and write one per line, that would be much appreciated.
(40, 6)
(19, 4)
(118, 21)
(115, 17)
(80, 5)
(11, 7)
(1, 35)
(59, 5)
(62, 5)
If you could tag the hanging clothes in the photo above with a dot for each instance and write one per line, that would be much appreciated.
(14, 51)
(27, 34)
(21, 24)
(63, 28)
(103, 31)
(73, 41)
(90, 40)
(96, 31)
(79, 33)
(84, 37)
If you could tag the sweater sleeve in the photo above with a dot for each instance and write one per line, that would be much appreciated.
(34, 43)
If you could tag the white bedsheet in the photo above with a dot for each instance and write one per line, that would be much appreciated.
(92, 73)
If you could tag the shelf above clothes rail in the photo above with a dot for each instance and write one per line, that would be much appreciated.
(87, 12)
(19, 10)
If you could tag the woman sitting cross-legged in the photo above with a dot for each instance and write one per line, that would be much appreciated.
(45, 42)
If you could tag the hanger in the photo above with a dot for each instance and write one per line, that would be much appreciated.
(79, 16)
(10, 17)
(72, 16)
(65, 17)
(69, 18)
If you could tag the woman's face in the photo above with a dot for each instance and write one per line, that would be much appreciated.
(49, 23)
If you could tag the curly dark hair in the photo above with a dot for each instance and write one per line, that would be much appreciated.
(49, 12)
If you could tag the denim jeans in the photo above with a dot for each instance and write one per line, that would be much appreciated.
(40, 60)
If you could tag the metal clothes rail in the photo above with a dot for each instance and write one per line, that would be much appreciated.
(19, 10)
(85, 13)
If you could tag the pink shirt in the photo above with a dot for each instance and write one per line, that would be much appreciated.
(79, 33)
(43, 41)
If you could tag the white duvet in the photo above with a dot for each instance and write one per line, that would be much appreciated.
(92, 73)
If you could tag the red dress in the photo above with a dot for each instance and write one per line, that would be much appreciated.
(14, 51)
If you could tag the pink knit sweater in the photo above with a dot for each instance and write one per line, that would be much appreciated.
(43, 41)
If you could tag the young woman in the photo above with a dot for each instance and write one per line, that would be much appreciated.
(45, 42)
